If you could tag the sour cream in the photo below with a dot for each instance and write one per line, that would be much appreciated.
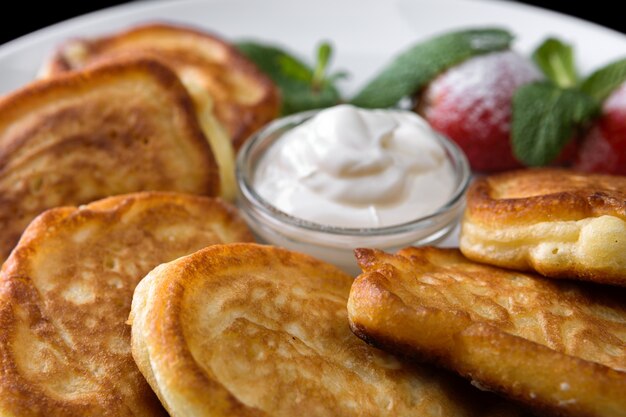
(357, 168)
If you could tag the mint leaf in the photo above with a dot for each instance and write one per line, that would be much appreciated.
(410, 71)
(545, 118)
(301, 88)
(290, 67)
(602, 82)
(324, 52)
(556, 60)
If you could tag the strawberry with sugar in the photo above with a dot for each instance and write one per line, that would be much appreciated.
(502, 109)
(465, 80)
(604, 146)
(471, 104)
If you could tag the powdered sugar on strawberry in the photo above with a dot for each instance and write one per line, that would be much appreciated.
(604, 147)
(471, 104)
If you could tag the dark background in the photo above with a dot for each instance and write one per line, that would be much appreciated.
(25, 17)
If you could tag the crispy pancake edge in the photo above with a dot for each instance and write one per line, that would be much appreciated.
(566, 205)
(111, 206)
(451, 340)
(155, 319)
(486, 218)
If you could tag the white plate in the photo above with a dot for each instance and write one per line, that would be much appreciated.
(366, 33)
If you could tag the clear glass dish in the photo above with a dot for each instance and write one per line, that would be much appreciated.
(336, 244)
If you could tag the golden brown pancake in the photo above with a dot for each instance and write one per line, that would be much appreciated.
(250, 330)
(244, 99)
(232, 96)
(121, 127)
(560, 223)
(65, 295)
(557, 346)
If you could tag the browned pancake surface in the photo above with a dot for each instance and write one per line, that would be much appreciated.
(121, 127)
(65, 295)
(251, 330)
(244, 99)
(558, 347)
(560, 223)
(545, 194)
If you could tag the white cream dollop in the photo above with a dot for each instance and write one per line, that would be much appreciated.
(353, 167)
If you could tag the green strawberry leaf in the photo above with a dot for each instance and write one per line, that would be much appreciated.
(545, 118)
(410, 71)
(604, 81)
(556, 60)
(301, 87)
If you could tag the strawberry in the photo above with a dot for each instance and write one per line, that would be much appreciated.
(471, 104)
(603, 148)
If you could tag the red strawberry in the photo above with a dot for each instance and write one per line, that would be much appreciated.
(471, 104)
(604, 147)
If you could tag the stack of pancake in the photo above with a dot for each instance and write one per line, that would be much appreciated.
(150, 120)
(158, 107)
(249, 330)
(507, 312)
(156, 301)
(65, 295)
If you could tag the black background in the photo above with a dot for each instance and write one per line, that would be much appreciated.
(24, 17)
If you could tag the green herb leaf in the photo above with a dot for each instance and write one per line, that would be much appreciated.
(545, 118)
(324, 52)
(410, 71)
(556, 60)
(301, 88)
(602, 82)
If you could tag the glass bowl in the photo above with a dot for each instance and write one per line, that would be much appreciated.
(331, 243)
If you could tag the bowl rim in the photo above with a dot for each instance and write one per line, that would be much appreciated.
(244, 171)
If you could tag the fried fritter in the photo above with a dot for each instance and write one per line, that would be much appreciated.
(250, 330)
(118, 128)
(233, 98)
(557, 346)
(65, 295)
(560, 223)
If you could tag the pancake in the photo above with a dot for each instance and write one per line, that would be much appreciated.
(250, 330)
(118, 128)
(557, 346)
(559, 223)
(65, 295)
(233, 98)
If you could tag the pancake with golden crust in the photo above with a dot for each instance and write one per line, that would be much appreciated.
(250, 330)
(233, 98)
(560, 223)
(118, 128)
(65, 295)
(557, 346)
(244, 99)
